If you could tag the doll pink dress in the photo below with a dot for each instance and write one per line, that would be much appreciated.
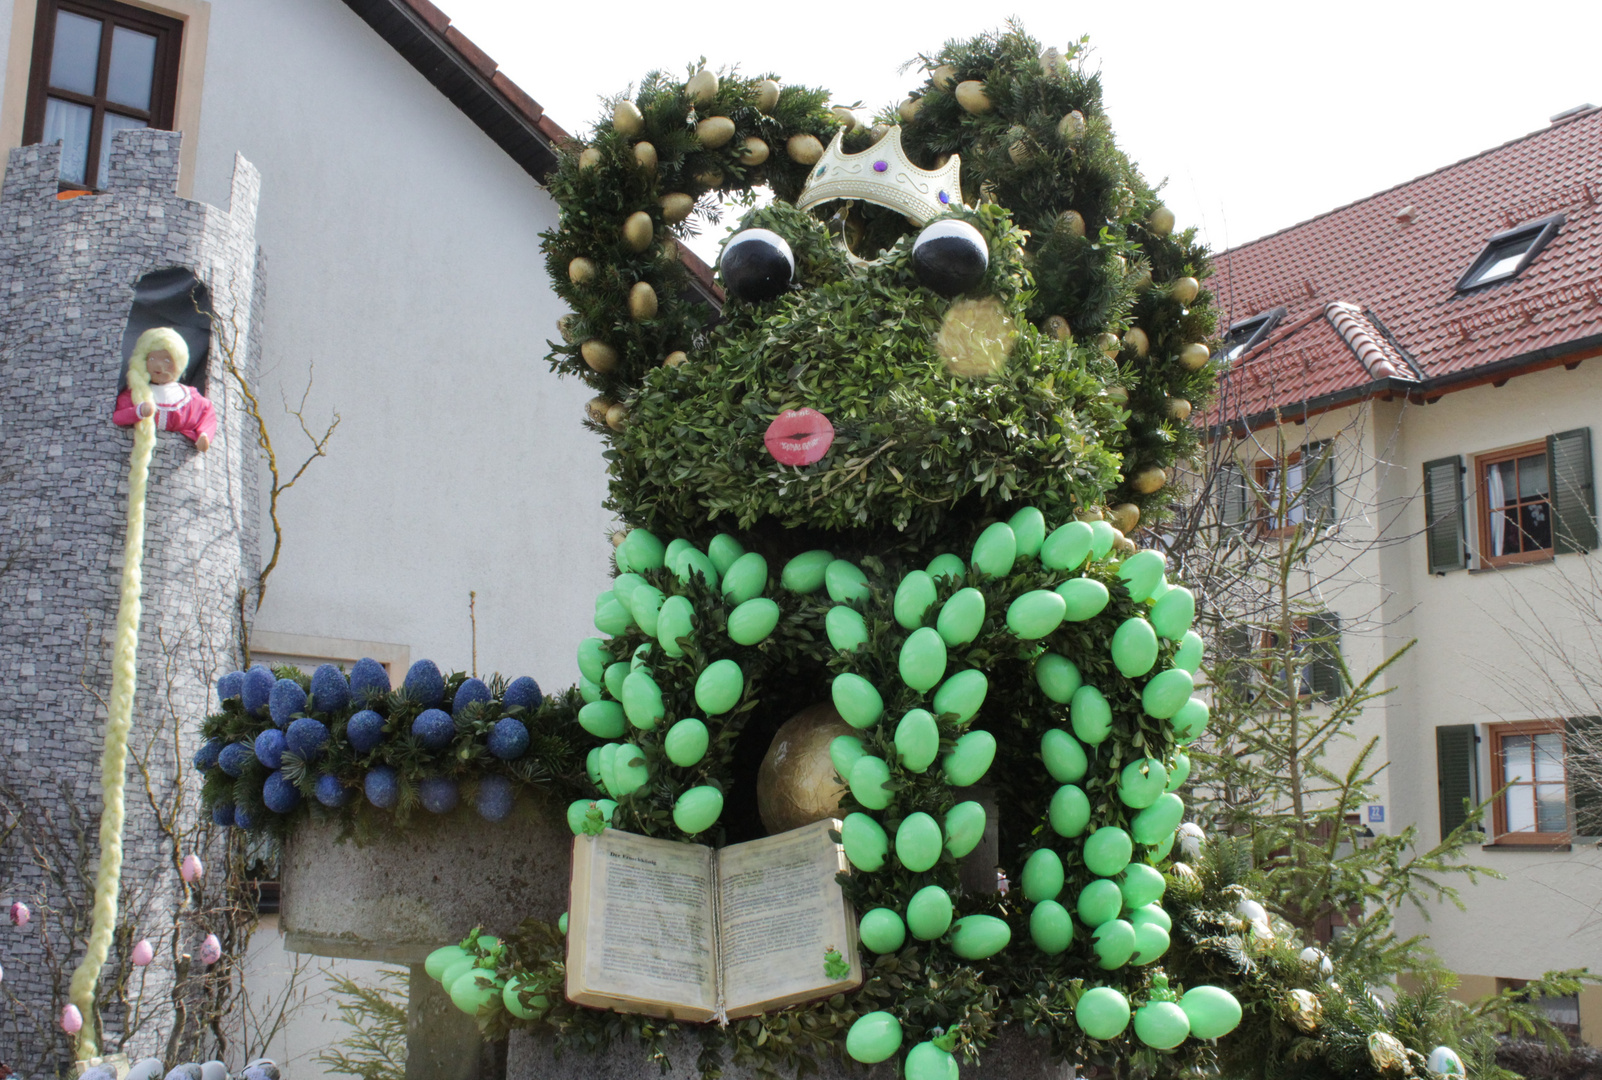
(179, 408)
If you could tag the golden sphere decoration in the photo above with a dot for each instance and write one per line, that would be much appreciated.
(1058, 328)
(638, 230)
(1073, 221)
(1124, 517)
(599, 355)
(804, 149)
(1071, 126)
(581, 271)
(1149, 480)
(1194, 357)
(767, 95)
(1161, 222)
(596, 408)
(753, 151)
(642, 301)
(796, 783)
(674, 358)
(1179, 409)
(848, 119)
(617, 416)
(589, 158)
(1136, 339)
(1185, 289)
(943, 76)
(645, 156)
(908, 109)
(702, 89)
(1108, 343)
(676, 206)
(626, 119)
(714, 131)
(972, 97)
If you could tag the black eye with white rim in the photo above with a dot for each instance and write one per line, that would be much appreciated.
(756, 265)
(950, 257)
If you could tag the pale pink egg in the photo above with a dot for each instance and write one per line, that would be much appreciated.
(192, 868)
(210, 950)
(143, 953)
(71, 1019)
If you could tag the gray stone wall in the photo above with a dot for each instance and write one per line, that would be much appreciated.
(67, 273)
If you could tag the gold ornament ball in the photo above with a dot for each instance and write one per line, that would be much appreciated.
(848, 119)
(767, 95)
(715, 131)
(676, 206)
(972, 97)
(1161, 221)
(599, 355)
(796, 783)
(1136, 339)
(642, 301)
(943, 76)
(1185, 289)
(908, 110)
(1179, 409)
(1124, 517)
(674, 358)
(753, 151)
(589, 158)
(1071, 126)
(1149, 480)
(702, 87)
(638, 230)
(1194, 357)
(581, 271)
(626, 119)
(804, 149)
(645, 156)
(616, 417)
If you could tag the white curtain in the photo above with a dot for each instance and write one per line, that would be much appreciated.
(1496, 497)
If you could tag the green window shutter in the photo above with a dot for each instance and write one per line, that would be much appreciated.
(1583, 736)
(1233, 666)
(1458, 766)
(1568, 466)
(1232, 494)
(1318, 489)
(1324, 644)
(1443, 513)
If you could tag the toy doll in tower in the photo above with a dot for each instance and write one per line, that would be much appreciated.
(160, 358)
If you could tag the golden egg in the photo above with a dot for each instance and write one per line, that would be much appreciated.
(943, 76)
(617, 416)
(796, 783)
(805, 149)
(1161, 221)
(1185, 289)
(674, 358)
(1071, 126)
(702, 87)
(626, 118)
(972, 97)
(714, 131)
(908, 109)
(581, 271)
(1179, 409)
(599, 355)
(1148, 480)
(589, 157)
(1073, 221)
(1194, 357)
(642, 301)
(1058, 327)
(767, 95)
(1136, 339)
(638, 230)
(645, 156)
(753, 151)
(596, 408)
(676, 206)
(1124, 517)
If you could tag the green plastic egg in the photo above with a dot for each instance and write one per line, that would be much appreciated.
(917, 740)
(471, 992)
(805, 573)
(874, 1037)
(1029, 529)
(1141, 885)
(1167, 693)
(1058, 677)
(961, 617)
(1064, 757)
(615, 674)
(456, 969)
(753, 621)
(923, 659)
(1083, 598)
(1151, 942)
(1179, 772)
(644, 604)
(645, 551)
(1213, 1012)
(674, 620)
(1134, 647)
(948, 566)
(1160, 591)
(1189, 653)
(1070, 811)
(1102, 538)
(1099, 902)
(926, 1061)
(865, 842)
(929, 913)
(1172, 615)
(976, 937)
(725, 551)
(603, 719)
(612, 617)
(1159, 851)
(1050, 927)
(1102, 1013)
(698, 809)
(642, 700)
(718, 688)
(588, 690)
(846, 628)
(965, 827)
(868, 779)
(746, 579)
(1113, 943)
(608, 761)
(918, 842)
(592, 766)
(1161, 1025)
(970, 759)
(844, 750)
(437, 960)
(1067, 546)
(856, 700)
(1159, 820)
(693, 562)
(561, 924)
(642, 655)
(1151, 914)
(995, 551)
(1141, 782)
(1035, 614)
(845, 581)
(675, 551)
(1042, 877)
(914, 597)
(686, 742)
(623, 586)
(962, 695)
(882, 930)
(593, 656)
(1141, 572)
(1108, 851)
(629, 771)
(1190, 722)
(512, 998)
(1090, 716)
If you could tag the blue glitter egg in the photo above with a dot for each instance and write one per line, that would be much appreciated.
(523, 693)
(382, 787)
(270, 746)
(233, 758)
(306, 737)
(279, 794)
(230, 685)
(206, 757)
(330, 792)
(222, 814)
(434, 729)
(256, 688)
(286, 700)
(368, 680)
(438, 794)
(471, 690)
(424, 684)
(330, 692)
(495, 797)
(508, 738)
(365, 731)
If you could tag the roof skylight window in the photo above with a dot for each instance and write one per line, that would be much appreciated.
(1244, 336)
(1506, 254)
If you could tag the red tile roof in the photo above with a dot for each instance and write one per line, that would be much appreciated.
(1374, 282)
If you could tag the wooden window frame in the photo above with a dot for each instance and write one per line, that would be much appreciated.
(1263, 496)
(163, 85)
(1482, 509)
(1500, 835)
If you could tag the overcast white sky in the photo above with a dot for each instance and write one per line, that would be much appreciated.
(1258, 115)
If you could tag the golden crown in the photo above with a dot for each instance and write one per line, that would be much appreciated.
(884, 175)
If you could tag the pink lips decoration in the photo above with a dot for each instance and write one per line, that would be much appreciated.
(799, 437)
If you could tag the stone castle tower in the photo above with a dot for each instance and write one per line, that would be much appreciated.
(79, 278)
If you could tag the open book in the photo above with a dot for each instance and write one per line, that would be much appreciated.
(689, 932)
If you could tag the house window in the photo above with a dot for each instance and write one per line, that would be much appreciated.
(1515, 505)
(1245, 335)
(1296, 489)
(1313, 660)
(99, 67)
(1563, 1012)
(1506, 254)
(1527, 760)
